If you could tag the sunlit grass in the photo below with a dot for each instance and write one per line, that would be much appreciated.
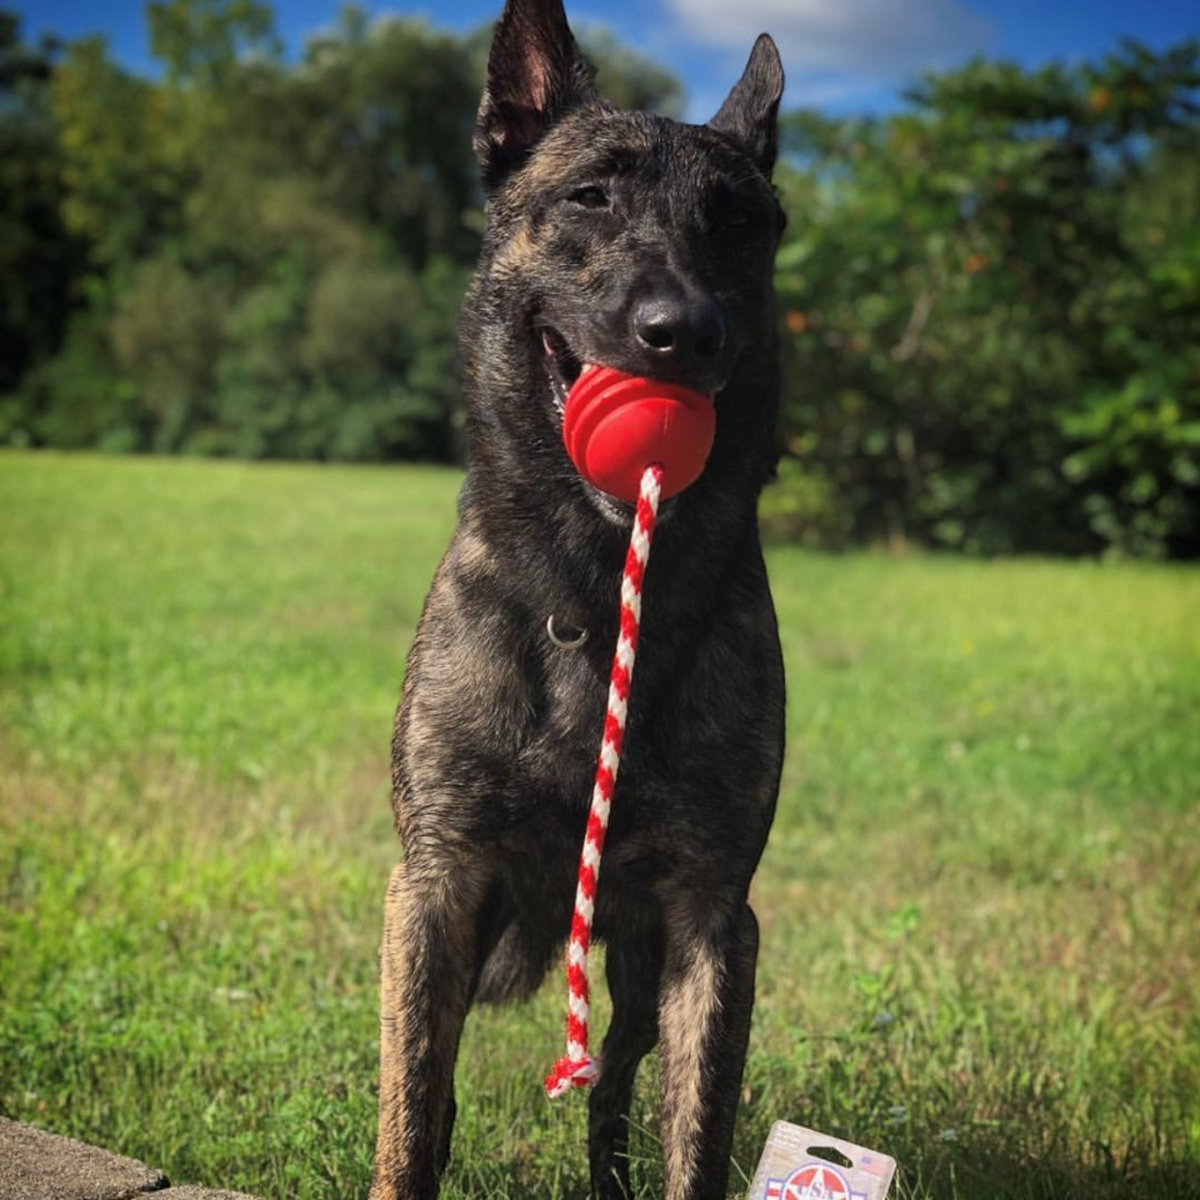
(979, 905)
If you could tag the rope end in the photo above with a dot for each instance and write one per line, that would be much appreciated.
(571, 1072)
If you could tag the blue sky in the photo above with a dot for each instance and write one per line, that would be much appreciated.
(841, 55)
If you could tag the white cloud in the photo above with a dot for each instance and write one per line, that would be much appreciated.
(884, 39)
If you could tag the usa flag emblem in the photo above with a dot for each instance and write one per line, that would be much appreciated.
(813, 1181)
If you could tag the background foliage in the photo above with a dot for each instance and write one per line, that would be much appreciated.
(995, 307)
(991, 299)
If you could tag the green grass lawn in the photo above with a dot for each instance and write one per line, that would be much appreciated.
(980, 905)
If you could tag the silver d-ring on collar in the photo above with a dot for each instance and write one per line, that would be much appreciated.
(564, 643)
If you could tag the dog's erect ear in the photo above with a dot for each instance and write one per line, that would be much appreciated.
(750, 112)
(535, 74)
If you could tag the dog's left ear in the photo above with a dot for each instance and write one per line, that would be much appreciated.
(535, 74)
(750, 112)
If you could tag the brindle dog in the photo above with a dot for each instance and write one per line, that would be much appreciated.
(632, 241)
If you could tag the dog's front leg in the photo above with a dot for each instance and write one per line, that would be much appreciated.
(704, 1025)
(633, 966)
(425, 985)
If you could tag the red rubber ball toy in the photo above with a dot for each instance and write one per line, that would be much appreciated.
(616, 425)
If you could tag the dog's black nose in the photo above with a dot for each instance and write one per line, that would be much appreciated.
(680, 328)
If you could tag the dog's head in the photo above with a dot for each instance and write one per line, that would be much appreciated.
(621, 239)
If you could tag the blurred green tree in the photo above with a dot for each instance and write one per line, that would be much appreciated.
(121, 197)
(275, 254)
(988, 346)
(38, 258)
(202, 42)
(343, 199)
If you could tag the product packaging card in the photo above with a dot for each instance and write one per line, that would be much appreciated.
(802, 1164)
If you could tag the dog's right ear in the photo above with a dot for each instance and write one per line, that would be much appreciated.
(535, 74)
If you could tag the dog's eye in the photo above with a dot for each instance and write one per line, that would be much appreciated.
(736, 218)
(589, 197)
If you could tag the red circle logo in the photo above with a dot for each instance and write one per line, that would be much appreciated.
(816, 1181)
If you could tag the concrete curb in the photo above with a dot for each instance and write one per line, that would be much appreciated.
(35, 1165)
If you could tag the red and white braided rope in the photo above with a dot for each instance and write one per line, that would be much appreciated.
(577, 1068)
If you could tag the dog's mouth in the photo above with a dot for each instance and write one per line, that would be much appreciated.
(563, 366)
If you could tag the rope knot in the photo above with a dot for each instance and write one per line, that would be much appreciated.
(571, 1072)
